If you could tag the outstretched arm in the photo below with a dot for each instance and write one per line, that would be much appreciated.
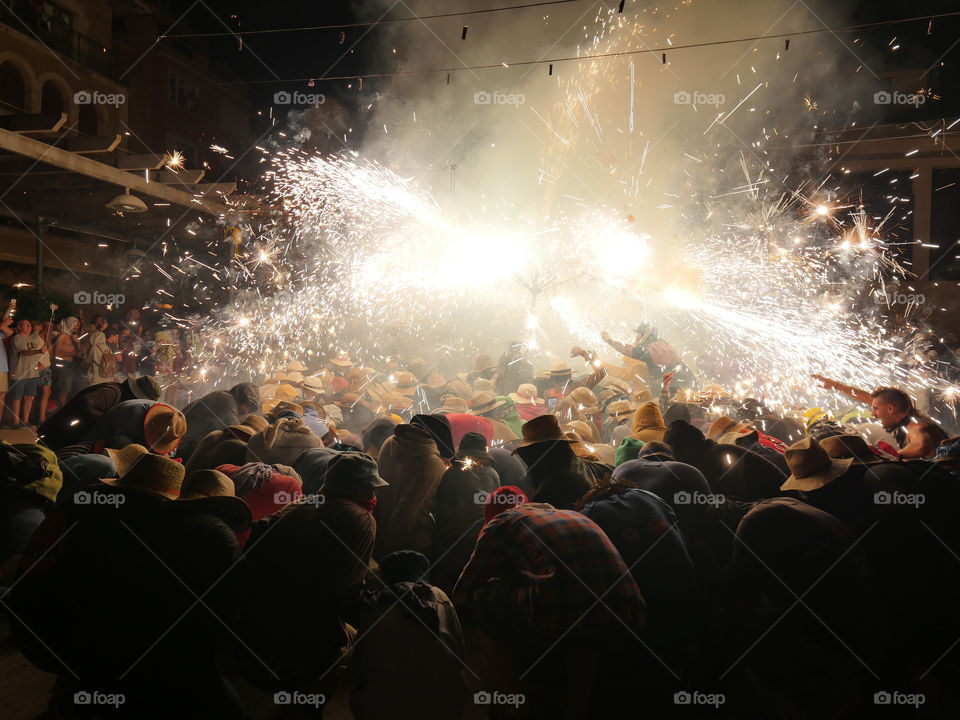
(849, 390)
(618, 346)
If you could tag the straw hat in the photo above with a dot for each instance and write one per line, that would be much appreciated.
(216, 491)
(406, 383)
(459, 388)
(454, 404)
(286, 392)
(582, 429)
(526, 394)
(145, 388)
(579, 447)
(724, 425)
(123, 459)
(341, 360)
(296, 367)
(545, 428)
(811, 467)
(347, 400)
(276, 379)
(619, 409)
(163, 428)
(483, 385)
(841, 447)
(316, 383)
(484, 402)
(641, 396)
(151, 473)
(295, 377)
(435, 380)
(560, 369)
(586, 398)
(483, 363)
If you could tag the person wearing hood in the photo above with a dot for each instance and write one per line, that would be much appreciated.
(458, 508)
(554, 471)
(312, 557)
(282, 442)
(375, 434)
(731, 470)
(71, 423)
(263, 488)
(413, 462)
(227, 446)
(647, 423)
(217, 410)
(408, 656)
(157, 426)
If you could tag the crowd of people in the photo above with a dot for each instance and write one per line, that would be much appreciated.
(500, 543)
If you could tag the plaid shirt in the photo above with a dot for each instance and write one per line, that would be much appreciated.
(558, 563)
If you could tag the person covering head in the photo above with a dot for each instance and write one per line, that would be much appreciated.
(404, 566)
(406, 384)
(545, 428)
(619, 410)
(454, 404)
(811, 467)
(505, 497)
(437, 427)
(282, 442)
(854, 447)
(585, 399)
(647, 424)
(348, 473)
(153, 474)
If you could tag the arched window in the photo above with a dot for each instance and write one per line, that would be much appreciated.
(87, 121)
(51, 99)
(13, 88)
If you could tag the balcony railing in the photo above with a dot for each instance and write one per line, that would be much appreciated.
(24, 17)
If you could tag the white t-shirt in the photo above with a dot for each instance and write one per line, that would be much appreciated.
(26, 367)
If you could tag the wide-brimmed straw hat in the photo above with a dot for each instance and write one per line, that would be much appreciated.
(545, 428)
(454, 404)
(151, 473)
(406, 383)
(560, 369)
(841, 447)
(585, 399)
(459, 388)
(216, 492)
(341, 361)
(277, 378)
(526, 394)
(484, 402)
(811, 467)
(296, 366)
(619, 409)
(435, 380)
(724, 425)
(163, 428)
(124, 458)
(315, 383)
(144, 388)
(483, 363)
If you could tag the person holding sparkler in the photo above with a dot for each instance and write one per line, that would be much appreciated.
(656, 354)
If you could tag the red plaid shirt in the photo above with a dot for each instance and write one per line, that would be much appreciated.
(560, 562)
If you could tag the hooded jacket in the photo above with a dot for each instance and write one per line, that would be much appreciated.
(647, 423)
(411, 463)
(282, 442)
(74, 420)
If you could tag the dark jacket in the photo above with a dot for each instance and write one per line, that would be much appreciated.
(730, 469)
(213, 411)
(559, 477)
(458, 512)
(74, 420)
(304, 570)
